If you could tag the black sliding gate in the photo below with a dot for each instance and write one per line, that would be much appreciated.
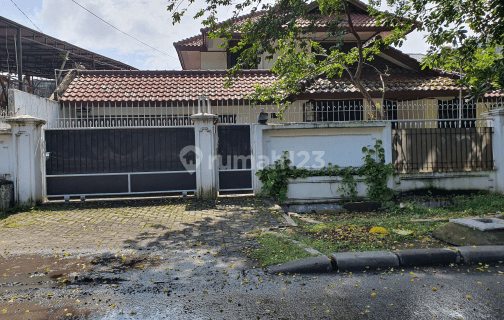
(235, 163)
(119, 161)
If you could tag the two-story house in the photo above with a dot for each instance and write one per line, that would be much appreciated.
(169, 97)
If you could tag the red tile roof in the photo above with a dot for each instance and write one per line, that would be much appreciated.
(196, 41)
(360, 21)
(125, 86)
(495, 94)
(238, 21)
(393, 83)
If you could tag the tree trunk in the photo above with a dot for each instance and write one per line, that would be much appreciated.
(376, 114)
(375, 111)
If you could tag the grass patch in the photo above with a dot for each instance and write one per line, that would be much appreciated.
(353, 234)
(274, 250)
(343, 232)
(461, 205)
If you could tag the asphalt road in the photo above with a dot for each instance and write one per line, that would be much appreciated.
(211, 284)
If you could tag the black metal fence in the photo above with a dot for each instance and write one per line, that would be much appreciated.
(442, 149)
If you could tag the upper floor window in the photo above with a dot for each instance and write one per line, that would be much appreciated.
(232, 57)
(330, 46)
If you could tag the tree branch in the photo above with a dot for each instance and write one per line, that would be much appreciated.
(386, 73)
(356, 77)
(357, 37)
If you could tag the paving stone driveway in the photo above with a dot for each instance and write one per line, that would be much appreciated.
(180, 223)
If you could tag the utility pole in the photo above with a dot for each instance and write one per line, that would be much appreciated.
(62, 66)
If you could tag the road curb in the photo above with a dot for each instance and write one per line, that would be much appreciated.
(427, 257)
(355, 261)
(319, 264)
(481, 253)
(364, 260)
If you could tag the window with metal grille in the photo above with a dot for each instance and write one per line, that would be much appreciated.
(234, 56)
(335, 110)
(448, 113)
(390, 111)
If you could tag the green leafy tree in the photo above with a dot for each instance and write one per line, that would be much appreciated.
(286, 27)
(465, 36)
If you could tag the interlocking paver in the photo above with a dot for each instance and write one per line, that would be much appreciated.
(127, 224)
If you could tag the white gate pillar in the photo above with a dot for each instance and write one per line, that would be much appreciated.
(206, 155)
(498, 147)
(29, 159)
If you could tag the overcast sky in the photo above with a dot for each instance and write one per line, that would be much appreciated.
(146, 20)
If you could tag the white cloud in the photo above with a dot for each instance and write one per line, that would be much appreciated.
(148, 21)
(415, 43)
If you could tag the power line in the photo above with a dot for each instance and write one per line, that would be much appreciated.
(26, 16)
(123, 31)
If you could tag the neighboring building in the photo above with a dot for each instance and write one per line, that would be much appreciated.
(29, 60)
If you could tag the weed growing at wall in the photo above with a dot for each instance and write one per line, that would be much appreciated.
(275, 178)
(348, 186)
(376, 173)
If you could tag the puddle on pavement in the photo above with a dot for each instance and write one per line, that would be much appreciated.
(143, 313)
(31, 271)
(27, 310)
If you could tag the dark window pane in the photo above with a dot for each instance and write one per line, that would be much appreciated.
(449, 112)
(335, 110)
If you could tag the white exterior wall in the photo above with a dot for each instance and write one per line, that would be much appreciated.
(215, 44)
(213, 60)
(22, 157)
(23, 104)
(341, 144)
(325, 189)
(313, 145)
(320, 189)
(445, 180)
(192, 59)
